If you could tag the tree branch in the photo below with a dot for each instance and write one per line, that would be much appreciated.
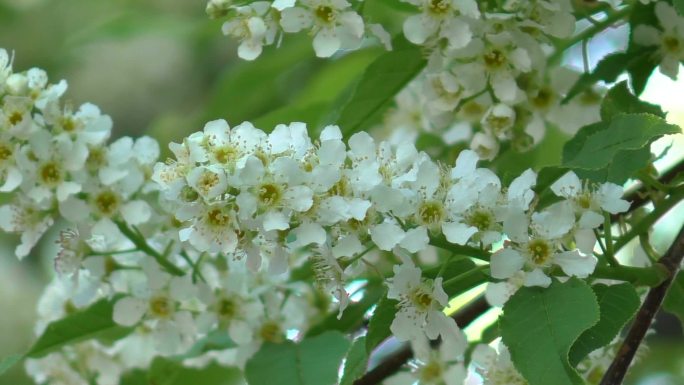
(396, 360)
(671, 261)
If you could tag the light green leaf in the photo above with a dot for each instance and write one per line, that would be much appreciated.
(539, 325)
(314, 361)
(169, 372)
(373, 93)
(379, 325)
(674, 300)
(215, 340)
(8, 362)
(618, 304)
(595, 146)
(94, 322)
(356, 363)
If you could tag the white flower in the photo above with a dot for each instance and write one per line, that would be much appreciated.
(160, 302)
(27, 218)
(670, 41)
(49, 175)
(333, 25)
(495, 366)
(441, 18)
(542, 248)
(420, 305)
(212, 227)
(589, 202)
(250, 28)
(441, 366)
(499, 120)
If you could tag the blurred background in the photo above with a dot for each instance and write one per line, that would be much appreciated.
(162, 68)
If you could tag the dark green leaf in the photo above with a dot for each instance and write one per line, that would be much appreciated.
(356, 363)
(618, 304)
(379, 326)
(89, 323)
(620, 100)
(170, 372)
(8, 362)
(539, 325)
(674, 300)
(608, 70)
(314, 361)
(595, 146)
(642, 60)
(374, 92)
(353, 315)
(679, 6)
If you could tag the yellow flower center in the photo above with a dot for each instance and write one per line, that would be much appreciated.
(161, 307)
(539, 251)
(269, 194)
(271, 332)
(325, 14)
(494, 59)
(107, 202)
(431, 213)
(216, 217)
(50, 174)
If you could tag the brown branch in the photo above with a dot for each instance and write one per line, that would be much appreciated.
(671, 261)
(640, 197)
(396, 360)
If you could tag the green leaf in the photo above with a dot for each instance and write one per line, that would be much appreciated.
(618, 304)
(8, 362)
(539, 325)
(379, 325)
(353, 315)
(215, 340)
(169, 372)
(619, 99)
(248, 90)
(608, 70)
(356, 363)
(679, 6)
(674, 300)
(90, 323)
(596, 145)
(374, 92)
(314, 361)
(643, 60)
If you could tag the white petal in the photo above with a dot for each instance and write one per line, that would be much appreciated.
(128, 311)
(386, 235)
(567, 186)
(326, 42)
(136, 212)
(506, 262)
(458, 233)
(537, 278)
(415, 240)
(308, 233)
(576, 265)
(275, 220)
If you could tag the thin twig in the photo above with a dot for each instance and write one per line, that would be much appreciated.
(643, 319)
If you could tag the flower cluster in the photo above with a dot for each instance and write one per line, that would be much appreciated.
(669, 41)
(334, 24)
(211, 241)
(488, 80)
